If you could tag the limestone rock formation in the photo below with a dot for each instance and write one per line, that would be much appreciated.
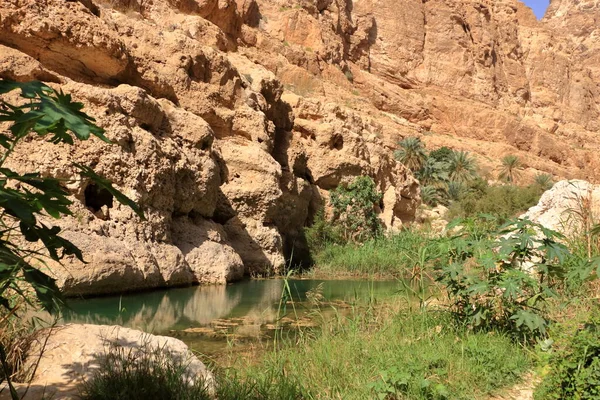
(227, 168)
(66, 356)
(477, 75)
(567, 206)
(232, 119)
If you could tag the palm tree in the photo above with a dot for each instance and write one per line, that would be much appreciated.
(461, 167)
(433, 173)
(456, 190)
(430, 195)
(511, 165)
(411, 153)
(544, 181)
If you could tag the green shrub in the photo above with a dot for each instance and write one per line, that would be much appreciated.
(354, 209)
(322, 233)
(442, 154)
(575, 370)
(411, 153)
(504, 201)
(503, 284)
(141, 374)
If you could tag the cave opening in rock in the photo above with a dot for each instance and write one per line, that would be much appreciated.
(96, 197)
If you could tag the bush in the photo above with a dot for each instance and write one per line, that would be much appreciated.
(575, 370)
(443, 154)
(503, 284)
(354, 209)
(504, 201)
(322, 233)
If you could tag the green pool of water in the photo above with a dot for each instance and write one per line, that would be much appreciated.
(208, 317)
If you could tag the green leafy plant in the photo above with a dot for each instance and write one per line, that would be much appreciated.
(322, 233)
(544, 181)
(396, 383)
(511, 166)
(442, 154)
(575, 369)
(433, 172)
(26, 199)
(430, 195)
(354, 209)
(411, 153)
(461, 167)
(505, 201)
(503, 284)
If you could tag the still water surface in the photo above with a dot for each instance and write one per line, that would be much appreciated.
(208, 317)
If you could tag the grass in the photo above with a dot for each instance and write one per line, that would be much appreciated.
(132, 374)
(385, 351)
(392, 256)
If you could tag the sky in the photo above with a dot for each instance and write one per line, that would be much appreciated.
(538, 6)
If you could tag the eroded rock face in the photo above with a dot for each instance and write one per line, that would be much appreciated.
(68, 355)
(483, 76)
(232, 119)
(567, 206)
(227, 169)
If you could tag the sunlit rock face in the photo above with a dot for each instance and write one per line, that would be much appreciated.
(232, 120)
(570, 208)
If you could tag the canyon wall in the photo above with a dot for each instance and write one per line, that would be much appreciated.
(232, 119)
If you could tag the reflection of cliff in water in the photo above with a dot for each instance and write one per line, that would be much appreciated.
(179, 309)
(161, 311)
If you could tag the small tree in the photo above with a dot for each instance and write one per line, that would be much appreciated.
(433, 173)
(354, 208)
(24, 198)
(544, 181)
(462, 167)
(511, 165)
(411, 153)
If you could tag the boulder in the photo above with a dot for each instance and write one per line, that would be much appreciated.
(568, 207)
(65, 356)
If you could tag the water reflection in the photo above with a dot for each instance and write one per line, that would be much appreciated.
(179, 309)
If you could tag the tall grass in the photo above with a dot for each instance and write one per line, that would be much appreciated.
(389, 256)
(127, 373)
(389, 352)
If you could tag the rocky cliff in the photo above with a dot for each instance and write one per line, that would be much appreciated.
(232, 119)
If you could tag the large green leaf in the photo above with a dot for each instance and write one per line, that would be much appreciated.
(29, 90)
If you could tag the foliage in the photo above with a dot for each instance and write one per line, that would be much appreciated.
(354, 209)
(442, 154)
(431, 195)
(433, 172)
(411, 153)
(544, 181)
(511, 165)
(26, 198)
(378, 351)
(461, 167)
(391, 255)
(456, 191)
(322, 233)
(271, 385)
(126, 373)
(503, 284)
(575, 369)
(504, 201)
